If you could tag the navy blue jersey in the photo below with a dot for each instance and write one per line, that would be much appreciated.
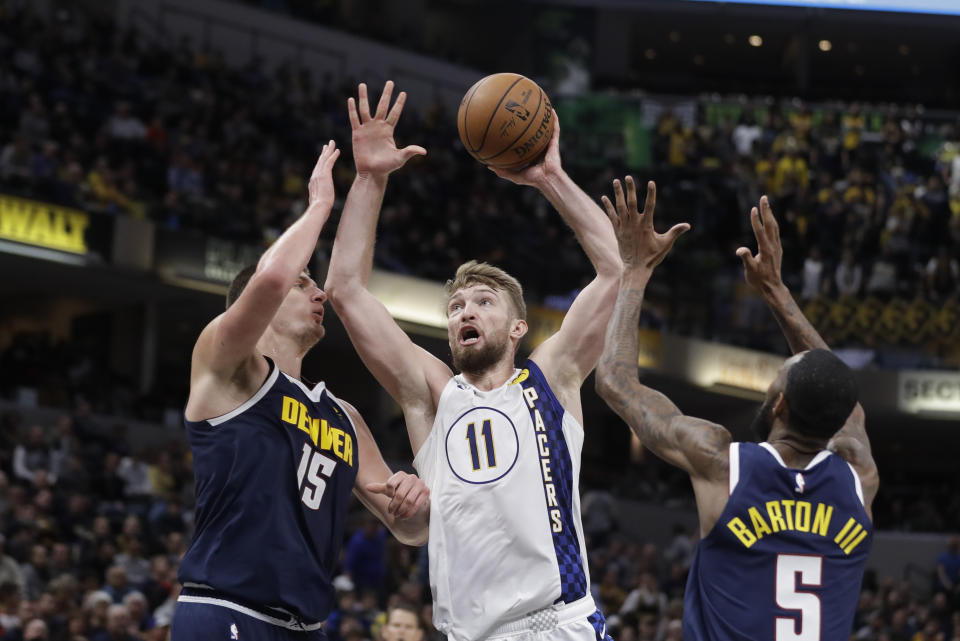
(785, 560)
(273, 481)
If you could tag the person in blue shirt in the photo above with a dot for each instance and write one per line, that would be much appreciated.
(785, 524)
(276, 460)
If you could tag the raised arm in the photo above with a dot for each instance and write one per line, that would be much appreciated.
(412, 376)
(231, 338)
(568, 356)
(699, 447)
(762, 273)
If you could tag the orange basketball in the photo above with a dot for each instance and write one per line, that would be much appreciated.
(505, 120)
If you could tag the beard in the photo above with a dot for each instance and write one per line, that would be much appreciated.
(476, 360)
(763, 421)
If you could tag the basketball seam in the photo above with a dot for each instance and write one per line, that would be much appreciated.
(522, 133)
(493, 114)
(466, 107)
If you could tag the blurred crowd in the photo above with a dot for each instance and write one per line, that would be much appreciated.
(92, 531)
(112, 120)
(868, 206)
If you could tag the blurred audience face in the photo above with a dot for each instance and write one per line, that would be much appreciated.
(36, 630)
(118, 620)
(402, 625)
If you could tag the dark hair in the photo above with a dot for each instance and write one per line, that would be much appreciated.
(406, 607)
(820, 394)
(240, 283)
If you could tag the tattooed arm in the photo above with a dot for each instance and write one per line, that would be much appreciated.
(762, 273)
(697, 446)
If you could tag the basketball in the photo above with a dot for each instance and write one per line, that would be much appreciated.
(505, 120)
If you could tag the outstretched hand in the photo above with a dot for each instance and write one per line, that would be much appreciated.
(762, 272)
(640, 244)
(374, 150)
(320, 187)
(535, 174)
(407, 493)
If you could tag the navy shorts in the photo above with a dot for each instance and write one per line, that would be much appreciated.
(227, 621)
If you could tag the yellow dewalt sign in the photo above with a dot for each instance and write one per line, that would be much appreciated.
(42, 224)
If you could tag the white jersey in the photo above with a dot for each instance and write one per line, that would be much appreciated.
(503, 467)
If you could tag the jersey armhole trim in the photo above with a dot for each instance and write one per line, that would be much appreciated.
(857, 485)
(734, 467)
(253, 400)
(421, 456)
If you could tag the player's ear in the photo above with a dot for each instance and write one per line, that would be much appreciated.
(779, 405)
(519, 329)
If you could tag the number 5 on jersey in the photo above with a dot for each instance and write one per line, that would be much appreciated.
(316, 468)
(806, 571)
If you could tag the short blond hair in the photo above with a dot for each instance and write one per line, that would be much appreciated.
(476, 273)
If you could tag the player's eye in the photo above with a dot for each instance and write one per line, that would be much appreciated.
(485, 301)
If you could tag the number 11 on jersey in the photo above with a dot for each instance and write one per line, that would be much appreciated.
(486, 431)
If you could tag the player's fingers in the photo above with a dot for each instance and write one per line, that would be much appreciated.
(396, 110)
(352, 113)
(384, 105)
(406, 496)
(755, 223)
(770, 224)
(611, 212)
(414, 501)
(320, 160)
(650, 204)
(503, 173)
(619, 199)
(746, 257)
(363, 102)
(411, 151)
(631, 195)
(380, 488)
(333, 158)
(674, 232)
(555, 137)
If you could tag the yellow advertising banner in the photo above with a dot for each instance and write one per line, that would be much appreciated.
(42, 224)
(544, 322)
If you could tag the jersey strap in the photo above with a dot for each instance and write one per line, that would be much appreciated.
(556, 470)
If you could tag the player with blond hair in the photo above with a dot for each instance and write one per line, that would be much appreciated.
(498, 445)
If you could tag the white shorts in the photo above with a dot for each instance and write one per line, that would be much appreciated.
(578, 621)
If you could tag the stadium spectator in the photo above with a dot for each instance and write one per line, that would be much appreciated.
(365, 556)
(948, 570)
(34, 461)
(10, 569)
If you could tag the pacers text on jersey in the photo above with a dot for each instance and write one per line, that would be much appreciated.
(325, 436)
(543, 448)
(787, 515)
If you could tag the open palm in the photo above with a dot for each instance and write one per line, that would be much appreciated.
(374, 150)
(640, 244)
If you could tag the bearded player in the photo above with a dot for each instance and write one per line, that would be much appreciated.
(499, 446)
(785, 524)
